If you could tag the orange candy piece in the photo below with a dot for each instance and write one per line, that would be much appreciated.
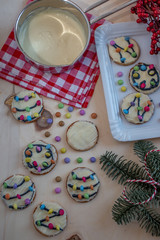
(14, 110)
(52, 161)
(79, 196)
(118, 50)
(28, 153)
(149, 102)
(91, 187)
(7, 196)
(47, 218)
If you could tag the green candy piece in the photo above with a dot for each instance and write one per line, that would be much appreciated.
(120, 82)
(79, 160)
(27, 109)
(136, 68)
(134, 54)
(38, 223)
(61, 105)
(45, 164)
(5, 185)
(30, 145)
(74, 176)
(139, 108)
(152, 83)
(86, 196)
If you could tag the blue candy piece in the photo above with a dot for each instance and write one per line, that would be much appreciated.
(132, 103)
(127, 38)
(123, 60)
(67, 160)
(42, 206)
(143, 68)
(93, 159)
(30, 188)
(29, 118)
(15, 186)
(125, 111)
(92, 177)
(135, 84)
(70, 109)
(48, 146)
(81, 188)
(16, 98)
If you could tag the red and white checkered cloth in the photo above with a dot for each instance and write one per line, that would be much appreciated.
(74, 87)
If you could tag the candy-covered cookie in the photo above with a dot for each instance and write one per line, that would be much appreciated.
(124, 50)
(144, 78)
(40, 157)
(137, 108)
(27, 106)
(82, 135)
(18, 192)
(82, 184)
(49, 218)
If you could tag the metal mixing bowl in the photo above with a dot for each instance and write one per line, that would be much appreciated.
(35, 7)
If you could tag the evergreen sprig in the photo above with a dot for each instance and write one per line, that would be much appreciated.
(120, 169)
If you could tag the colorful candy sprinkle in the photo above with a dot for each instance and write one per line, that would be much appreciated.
(74, 176)
(86, 196)
(74, 187)
(84, 179)
(61, 212)
(18, 196)
(136, 68)
(138, 95)
(15, 186)
(140, 117)
(61, 123)
(47, 218)
(30, 146)
(57, 228)
(21, 117)
(57, 138)
(143, 68)
(127, 38)
(132, 103)
(118, 50)
(33, 95)
(70, 109)
(16, 98)
(94, 115)
(57, 190)
(5, 185)
(125, 111)
(7, 196)
(38, 223)
(58, 179)
(82, 188)
(35, 163)
(27, 159)
(135, 75)
(79, 196)
(26, 178)
(50, 225)
(82, 112)
(151, 66)
(134, 54)
(14, 110)
(27, 109)
(123, 89)
(29, 118)
(42, 206)
(123, 60)
(119, 74)
(38, 103)
(120, 82)
(47, 134)
(79, 160)
(92, 159)
(112, 43)
(15, 207)
(48, 146)
(67, 160)
(63, 150)
(60, 105)
(50, 211)
(27, 201)
(26, 98)
(68, 115)
(58, 114)
(36, 115)
(146, 109)
(130, 45)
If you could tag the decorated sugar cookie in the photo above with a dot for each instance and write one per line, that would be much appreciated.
(82, 135)
(124, 50)
(40, 157)
(137, 108)
(18, 192)
(144, 78)
(27, 106)
(82, 184)
(49, 218)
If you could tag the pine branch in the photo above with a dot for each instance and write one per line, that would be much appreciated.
(142, 147)
(120, 169)
(150, 220)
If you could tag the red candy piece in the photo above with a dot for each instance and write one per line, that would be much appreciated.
(130, 45)
(84, 179)
(61, 212)
(18, 196)
(146, 109)
(142, 85)
(50, 225)
(21, 117)
(38, 103)
(35, 163)
(151, 66)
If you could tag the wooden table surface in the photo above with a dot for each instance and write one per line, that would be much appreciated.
(93, 220)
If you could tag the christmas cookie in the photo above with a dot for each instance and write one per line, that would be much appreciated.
(124, 50)
(82, 135)
(137, 108)
(40, 157)
(49, 218)
(18, 192)
(82, 184)
(144, 78)
(27, 106)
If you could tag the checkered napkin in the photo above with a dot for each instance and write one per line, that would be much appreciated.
(74, 87)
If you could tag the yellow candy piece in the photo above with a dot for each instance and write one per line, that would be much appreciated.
(125, 49)
(50, 211)
(33, 95)
(74, 187)
(135, 75)
(48, 154)
(123, 89)
(15, 206)
(138, 95)
(26, 178)
(68, 115)
(57, 228)
(63, 150)
(36, 115)
(28, 159)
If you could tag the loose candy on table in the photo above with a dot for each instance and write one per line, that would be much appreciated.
(79, 160)
(61, 123)
(70, 109)
(57, 138)
(57, 190)
(120, 82)
(92, 159)
(47, 134)
(94, 115)
(67, 160)
(63, 150)
(68, 115)
(58, 179)
(119, 74)
(60, 105)
(58, 114)
(123, 89)
(82, 112)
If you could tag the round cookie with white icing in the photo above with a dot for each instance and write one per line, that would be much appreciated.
(124, 50)
(40, 157)
(49, 218)
(82, 184)
(144, 78)
(137, 108)
(18, 192)
(27, 106)
(82, 135)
